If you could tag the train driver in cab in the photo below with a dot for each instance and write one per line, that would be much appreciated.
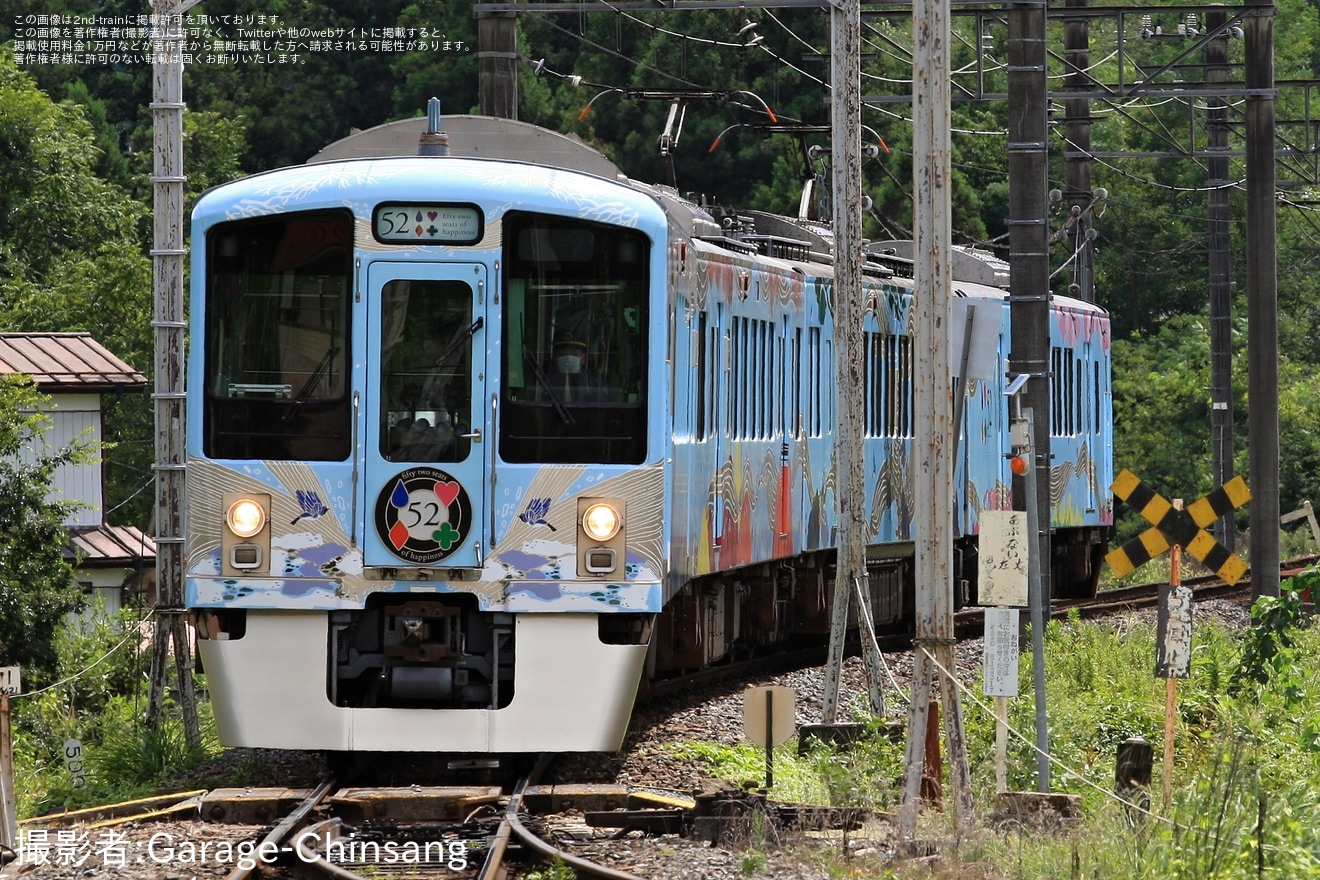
(570, 376)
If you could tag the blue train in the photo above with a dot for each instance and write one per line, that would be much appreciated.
(478, 441)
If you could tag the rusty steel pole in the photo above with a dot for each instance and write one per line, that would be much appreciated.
(167, 254)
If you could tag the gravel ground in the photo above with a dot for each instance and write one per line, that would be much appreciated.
(713, 714)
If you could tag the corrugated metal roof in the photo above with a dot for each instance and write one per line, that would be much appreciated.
(67, 362)
(104, 546)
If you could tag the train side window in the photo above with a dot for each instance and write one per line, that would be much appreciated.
(1066, 381)
(778, 346)
(895, 353)
(871, 347)
(827, 388)
(712, 385)
(796, 410)
(277, 337)
(735, 425)
(1078, 400)
(814, 380)
(575, 354)
(703, 367)
(1095, 399)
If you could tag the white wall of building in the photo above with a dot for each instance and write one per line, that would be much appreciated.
(75, 417)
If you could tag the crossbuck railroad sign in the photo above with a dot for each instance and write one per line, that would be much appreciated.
(1185, 528)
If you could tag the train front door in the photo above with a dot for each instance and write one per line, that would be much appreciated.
(424, 428)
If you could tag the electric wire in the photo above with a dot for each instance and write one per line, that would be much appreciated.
(150, 482)
(667, 32)
(135, 631)
(541, 67)
(593, 44)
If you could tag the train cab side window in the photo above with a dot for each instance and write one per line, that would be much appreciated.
(276, 337)
(575, 342)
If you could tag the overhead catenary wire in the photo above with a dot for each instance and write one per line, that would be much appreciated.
(667, 32)
(1233, 184)
(1108, 106)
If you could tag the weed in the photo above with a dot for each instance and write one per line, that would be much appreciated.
(753, 861)
(557, 870)
(1270, 655)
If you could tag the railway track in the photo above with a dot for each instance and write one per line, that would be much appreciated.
(473, 830)
(447, 831)
(346, 833)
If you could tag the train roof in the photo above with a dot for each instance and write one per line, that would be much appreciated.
(796, 240)
(483, 137)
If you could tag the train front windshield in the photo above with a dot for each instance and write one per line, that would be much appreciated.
(572, 376)
(277, 338)
(575, 352)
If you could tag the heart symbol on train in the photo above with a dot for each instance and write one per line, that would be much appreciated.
(447, 492)
(432, 214)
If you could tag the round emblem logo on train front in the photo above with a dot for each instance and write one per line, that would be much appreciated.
(423, 514)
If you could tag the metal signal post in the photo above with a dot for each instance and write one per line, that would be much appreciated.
(1023, 434)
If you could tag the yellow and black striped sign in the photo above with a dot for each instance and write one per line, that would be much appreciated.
(1186, 528)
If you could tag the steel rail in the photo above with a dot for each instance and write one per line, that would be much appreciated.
(577, 863)
(286, 827)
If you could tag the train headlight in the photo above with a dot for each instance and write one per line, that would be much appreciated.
(245, 518)
(602, 545)
(601, 522)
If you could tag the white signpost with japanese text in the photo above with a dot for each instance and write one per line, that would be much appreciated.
(1002, 581)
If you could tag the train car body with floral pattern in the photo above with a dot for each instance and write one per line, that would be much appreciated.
(476, 444)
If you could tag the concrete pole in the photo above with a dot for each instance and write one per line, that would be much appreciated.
(1029, 288)
(933, 404)
(849, 355)
(1262, 300)
(497, 60)
(1220, 270)
(1077, 159)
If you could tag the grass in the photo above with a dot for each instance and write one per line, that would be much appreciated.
(1245, 777)
(98, 700)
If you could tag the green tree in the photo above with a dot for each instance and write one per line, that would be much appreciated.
(72, 256)
(37, 588)
(1162, 411)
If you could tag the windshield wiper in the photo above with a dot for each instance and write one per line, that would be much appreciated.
(544, 381)
(321, 369)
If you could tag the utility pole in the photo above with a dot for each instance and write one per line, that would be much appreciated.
(849, 356)
(933, 404)
(167, 255)
(1077, 158)
(1029, 280)
(497, 60)
(1262, 300)
(1220, 270)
